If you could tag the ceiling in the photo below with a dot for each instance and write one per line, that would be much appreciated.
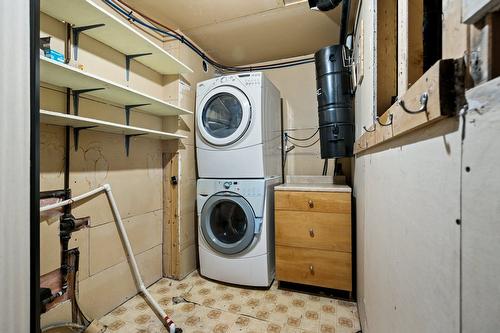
(241, 32)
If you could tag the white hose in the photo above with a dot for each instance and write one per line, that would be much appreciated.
(131, 258)
(71, 326)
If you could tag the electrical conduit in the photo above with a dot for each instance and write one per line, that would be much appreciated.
(141, 288)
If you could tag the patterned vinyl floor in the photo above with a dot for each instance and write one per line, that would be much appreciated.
(210, 307)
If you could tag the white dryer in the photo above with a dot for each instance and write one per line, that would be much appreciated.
(238, 121)
(236, 230)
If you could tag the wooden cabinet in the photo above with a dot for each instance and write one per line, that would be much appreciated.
(313, 238)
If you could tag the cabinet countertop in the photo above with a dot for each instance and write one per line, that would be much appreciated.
(309, 187)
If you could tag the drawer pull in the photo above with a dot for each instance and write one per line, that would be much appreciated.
(311, 232)
(311, 269)
(311, 204)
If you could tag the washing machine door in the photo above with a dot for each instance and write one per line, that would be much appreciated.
(228, 223)
(224, 115)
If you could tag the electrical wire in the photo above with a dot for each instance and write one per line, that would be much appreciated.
(325, 167)
(304, 139)
(310, 145)
(165, 31)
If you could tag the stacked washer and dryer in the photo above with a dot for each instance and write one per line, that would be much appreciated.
(238, 147)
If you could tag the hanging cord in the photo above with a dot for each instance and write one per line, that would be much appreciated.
(168, 32)
(325, 167)
(304, 139)
(307, 146)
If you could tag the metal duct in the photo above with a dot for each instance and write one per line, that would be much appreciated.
(336, 117)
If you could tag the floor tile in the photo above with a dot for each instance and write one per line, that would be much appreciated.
(199, 305)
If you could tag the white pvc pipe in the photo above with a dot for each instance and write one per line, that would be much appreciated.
(74, 199)
(131, 258)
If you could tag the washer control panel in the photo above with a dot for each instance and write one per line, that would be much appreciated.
(242, 187)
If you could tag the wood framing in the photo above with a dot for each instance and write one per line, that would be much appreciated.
(410, 43)
(387, 50)
(171, 248)
(443, 85)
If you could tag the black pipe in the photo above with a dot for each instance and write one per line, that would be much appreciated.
(35, 302)
(53, 194)
(67, 145)
(344, 23)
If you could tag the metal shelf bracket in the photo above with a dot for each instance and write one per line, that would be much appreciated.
(76, 97)
(128, 108)
(76, 35)
(76, 134)
(128, 58)
(127, 141)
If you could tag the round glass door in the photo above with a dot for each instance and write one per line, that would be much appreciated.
(227, 224)
(224, 115)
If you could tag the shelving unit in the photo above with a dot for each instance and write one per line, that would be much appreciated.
(114, 32)
(63, 75)
(62, 119)
(81, 123)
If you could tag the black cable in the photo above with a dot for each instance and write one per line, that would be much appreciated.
(312, 144)
(130, 17)
(304, 139)
(325, 167)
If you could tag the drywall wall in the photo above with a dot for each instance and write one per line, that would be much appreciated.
(407, 196)
(426, 246)
(15, 168)
(481, 211)
(365, 99)
(137, 180)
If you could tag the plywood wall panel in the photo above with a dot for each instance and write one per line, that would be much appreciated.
(135, 180)
(144, 232)
(104, 291)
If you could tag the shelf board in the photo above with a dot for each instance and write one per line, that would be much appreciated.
(63, 75)
(116, 33)
(62, 119)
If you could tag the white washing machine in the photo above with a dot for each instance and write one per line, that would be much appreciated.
(236, 230)
(238, 121)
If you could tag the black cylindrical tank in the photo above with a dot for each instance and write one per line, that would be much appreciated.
(336, 117)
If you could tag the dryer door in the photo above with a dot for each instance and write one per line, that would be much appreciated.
(224, 115)
(228, 223)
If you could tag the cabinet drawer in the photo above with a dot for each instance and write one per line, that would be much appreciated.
(326, 202)
(322, 268)
(324, 231)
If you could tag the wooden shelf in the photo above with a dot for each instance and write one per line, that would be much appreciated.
(62, 119)
(116, 33)
(63, 75)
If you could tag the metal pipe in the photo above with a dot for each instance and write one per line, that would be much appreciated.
(169, 324)
(52, 194)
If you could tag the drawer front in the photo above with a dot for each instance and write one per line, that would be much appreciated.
(328, 269)
(326, 202)
(323, 231)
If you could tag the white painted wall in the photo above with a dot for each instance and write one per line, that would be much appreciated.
(481, 211)
(14, 166)
(418, 270)
(407, 201)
